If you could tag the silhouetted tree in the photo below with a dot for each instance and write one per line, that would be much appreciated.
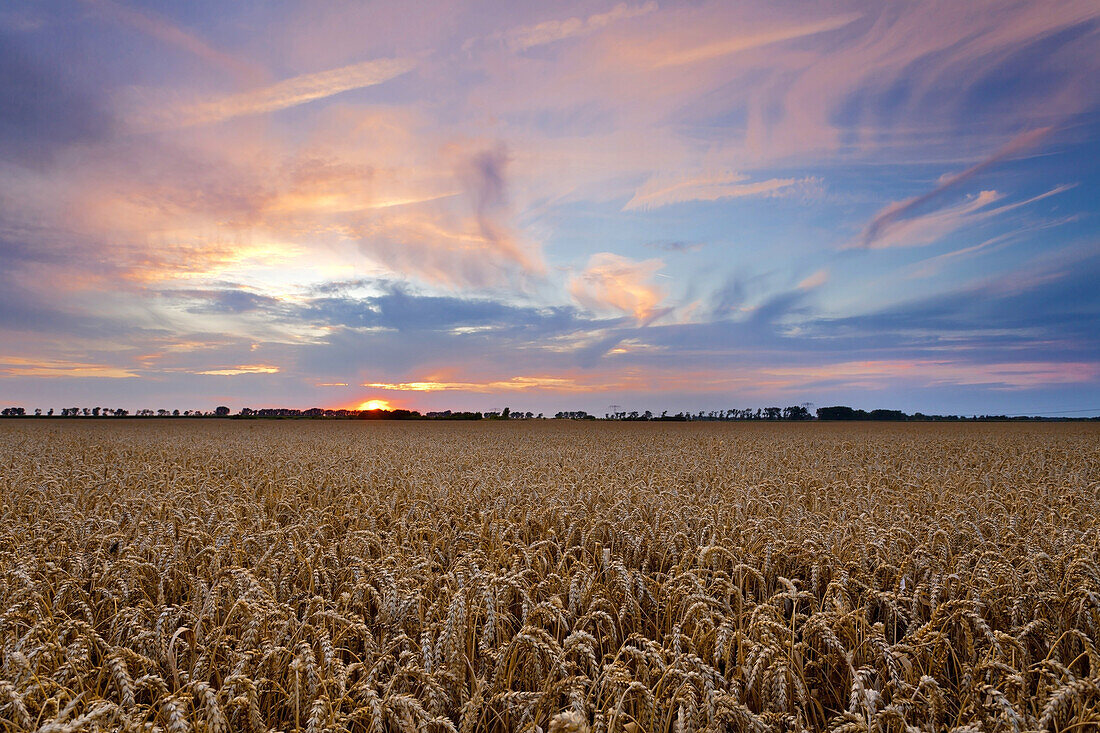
(796, 412)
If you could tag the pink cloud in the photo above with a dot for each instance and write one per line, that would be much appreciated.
(916, 230)
(164, 30)
(814, 280)
(522, 38)
(900, 211)
(658, 191)
(710, 50)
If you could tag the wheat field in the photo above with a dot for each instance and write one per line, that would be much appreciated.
(218, 575)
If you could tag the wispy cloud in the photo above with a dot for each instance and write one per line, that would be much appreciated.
(676, 246)
(901, 210)
(485, 178)
(933, 265)
(664, 191)
(552, 31)
(938, 372)
(241, 369)
(171, 33)
(11, 366)
(282, 95)
(922, 229)
(513, 384)
(815, 280)
(734, 44)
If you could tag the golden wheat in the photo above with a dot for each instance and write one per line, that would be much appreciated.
(548, 576)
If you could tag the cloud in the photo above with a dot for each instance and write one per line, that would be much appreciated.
(939, 372)
(525, 37)
(922, 229)
(227, 301)
(663, 191)
(814, 281)
(619, 283)
(282, 95)
(484, 177)
(735, 44)
(400, 309)
(512, 384)
(12, 366)
(676, 246)
(929, 228)
(241, 369)
(164, 30)
(902, 210)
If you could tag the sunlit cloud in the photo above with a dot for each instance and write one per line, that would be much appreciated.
(11, 366)
(735, 44)
(611, 281)
(241, 369)
(898, 212)
(815, 280)
(282, 95)
(552, 31)
(927, 228)
(662, 192)
(513, 384)
(173, 34)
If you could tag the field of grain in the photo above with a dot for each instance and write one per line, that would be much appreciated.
(218, 575)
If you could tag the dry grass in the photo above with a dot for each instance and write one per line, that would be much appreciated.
(217, 575)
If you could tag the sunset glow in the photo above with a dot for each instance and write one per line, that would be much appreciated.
(375, 405)
(560, 205)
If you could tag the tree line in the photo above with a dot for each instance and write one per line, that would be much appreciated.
(792, 413)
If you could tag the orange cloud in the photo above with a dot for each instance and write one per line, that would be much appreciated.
(374, 405)
(241, 369)
(13, 366)
(611, 281)
(514, 384)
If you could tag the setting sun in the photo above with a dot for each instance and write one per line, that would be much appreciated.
(375, 405)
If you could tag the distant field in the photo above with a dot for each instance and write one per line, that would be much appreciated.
(217, 575)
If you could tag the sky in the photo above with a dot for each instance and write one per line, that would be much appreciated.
(551, 206)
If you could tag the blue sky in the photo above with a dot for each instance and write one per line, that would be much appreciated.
(551, 206)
